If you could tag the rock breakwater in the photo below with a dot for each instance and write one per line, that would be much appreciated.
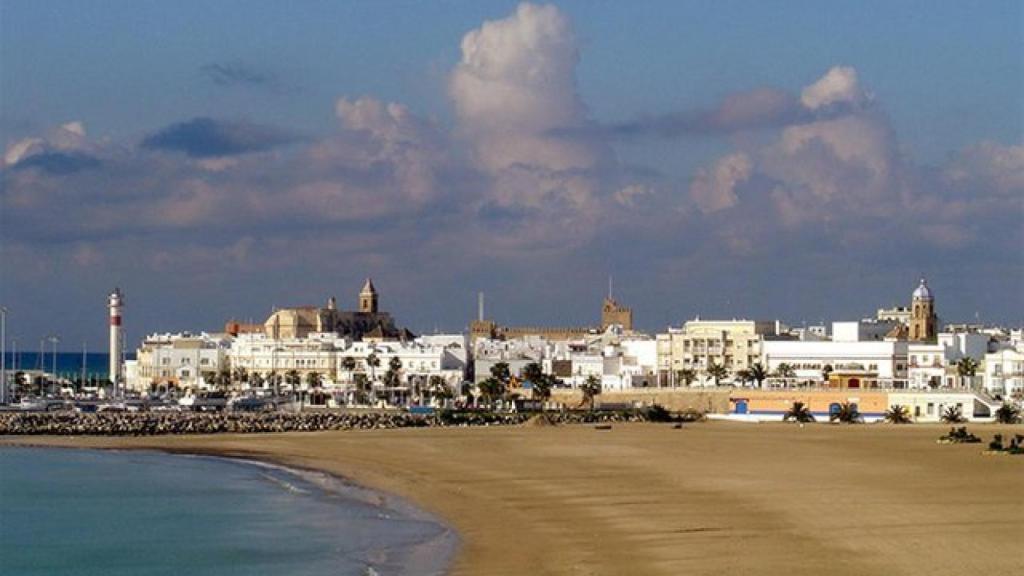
(160, 423)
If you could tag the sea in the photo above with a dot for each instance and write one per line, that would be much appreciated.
(92, 512)
(69, 364)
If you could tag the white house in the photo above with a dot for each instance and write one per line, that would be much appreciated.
(935, 365)
(182, 360)
(1004, 371)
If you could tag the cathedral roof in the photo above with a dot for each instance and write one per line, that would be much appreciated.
(922, 292)
(368, 287)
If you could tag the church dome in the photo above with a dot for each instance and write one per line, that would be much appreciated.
(922, 292)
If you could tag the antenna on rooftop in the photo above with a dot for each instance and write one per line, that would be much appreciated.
(610, 292)
(480, 306)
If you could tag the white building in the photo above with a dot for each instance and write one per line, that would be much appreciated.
(182, 360)
(859, 363)
(337, 360)
(1004, 371)
(935, 365)
(734, 344)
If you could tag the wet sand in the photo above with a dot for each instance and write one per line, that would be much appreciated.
(711, 498)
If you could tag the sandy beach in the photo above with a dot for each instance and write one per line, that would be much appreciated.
(711, 498)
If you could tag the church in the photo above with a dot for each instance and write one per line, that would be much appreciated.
(366, 321)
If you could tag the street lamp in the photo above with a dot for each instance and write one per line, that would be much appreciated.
(53, 365)
(3, 354)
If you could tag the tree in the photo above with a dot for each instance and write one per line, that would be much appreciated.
(373, 362)
(785, 371)
(591, 388)
(847, 414)
(293, 379)
(717, 372)
(348, 363)
(532, 372)
(1008, 414)
(492, 389)
(897, 414)
(240, 375)
(501, 372)
(438, 388)
(743, 376)
(953, 415)
(395, 363)
(362, 388)
(540, 382)
(223, 379)
(799, 412)
(313, 381)
(686, 376)
(758, 373)
(966, 367)
(826, 372)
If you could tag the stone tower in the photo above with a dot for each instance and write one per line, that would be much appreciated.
(922, 314)
(368, 298)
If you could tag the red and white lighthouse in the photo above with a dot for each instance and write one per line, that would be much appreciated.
(115, 302)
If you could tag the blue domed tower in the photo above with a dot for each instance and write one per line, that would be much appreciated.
(922, 314)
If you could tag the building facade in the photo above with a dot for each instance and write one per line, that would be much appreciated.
(734, 344)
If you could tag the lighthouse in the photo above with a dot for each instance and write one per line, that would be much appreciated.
(115, 302)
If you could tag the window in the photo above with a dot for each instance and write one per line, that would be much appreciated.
(204, 361)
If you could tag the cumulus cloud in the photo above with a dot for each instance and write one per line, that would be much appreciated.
(206, 137)
(838, 86)
(715, 189)
(513, 88)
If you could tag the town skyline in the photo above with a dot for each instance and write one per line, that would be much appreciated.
(527, 151)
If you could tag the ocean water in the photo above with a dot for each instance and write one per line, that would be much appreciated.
(139, 513)
(69, 364)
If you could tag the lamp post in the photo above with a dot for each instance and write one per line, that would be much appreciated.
(3, 354)
(53, 365)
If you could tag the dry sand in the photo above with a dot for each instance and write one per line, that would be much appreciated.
(711, 498)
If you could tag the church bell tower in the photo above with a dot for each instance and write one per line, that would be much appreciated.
(922, 314)
(368, 298)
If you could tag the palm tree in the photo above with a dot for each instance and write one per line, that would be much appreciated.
(501, 372)
(953, 415)
(717, 372)
(799, 412)
(758, 373)
(438, 388)
(826, 371)
(967, 367)
(591, 388)
(847, 414)
(785, 371)
(373, 362)
(313, 381)
(492, 389)
(293, 379)
(897, 414)
(348, 364)
(240, 375)
(1008, 414)
(743, 376)
(686, 376)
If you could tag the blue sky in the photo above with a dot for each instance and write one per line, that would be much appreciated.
(925, 118)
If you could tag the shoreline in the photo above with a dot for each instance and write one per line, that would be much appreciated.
(431, 556)
(647, 499)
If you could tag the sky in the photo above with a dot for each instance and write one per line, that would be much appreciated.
(802, 161)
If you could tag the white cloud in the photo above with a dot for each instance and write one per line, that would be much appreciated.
(515, 86)
(715, 189)
(838, 86)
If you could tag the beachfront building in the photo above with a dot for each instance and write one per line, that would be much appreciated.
(336, 362)
(1004, 371)
(855, 358)
(734, 344)
(179, 360)
(934, 365)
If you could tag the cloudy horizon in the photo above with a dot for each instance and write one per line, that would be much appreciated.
(215, 178)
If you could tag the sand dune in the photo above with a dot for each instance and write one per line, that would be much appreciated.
(711, 498)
